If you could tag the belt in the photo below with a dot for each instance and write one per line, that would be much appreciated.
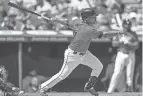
(124, 51)
(80, 53)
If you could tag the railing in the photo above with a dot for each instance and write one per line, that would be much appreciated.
(43, 36)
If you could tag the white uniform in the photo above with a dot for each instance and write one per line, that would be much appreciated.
(125, 58)
(71, 61)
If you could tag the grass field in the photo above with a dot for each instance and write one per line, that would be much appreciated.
(88, 94)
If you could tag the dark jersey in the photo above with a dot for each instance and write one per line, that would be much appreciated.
(83, 35)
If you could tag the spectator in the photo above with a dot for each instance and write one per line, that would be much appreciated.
(12, 10)
(33, 86)
(121, 87)
(27, 79)
(139, 16)
(110, 3)
(138, 78)
(83, 4)
(42, 26)
(133, 18)
(136, 19)
(126, 13)
(9, 23)
(2, 93)
(28, 25)
(104, 22)
(2, 12)
(43, 6)
(29, 3)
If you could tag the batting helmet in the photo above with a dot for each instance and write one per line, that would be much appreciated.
(87, 12)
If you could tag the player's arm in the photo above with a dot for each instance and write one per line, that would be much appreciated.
(109, 34)
(61, 21)
(66, 22)
(114, 36)
(134, 43)
(115, 41)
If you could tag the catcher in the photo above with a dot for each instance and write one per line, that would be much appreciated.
(6, 87)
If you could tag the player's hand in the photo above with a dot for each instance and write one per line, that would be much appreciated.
(53, 19)
(121, 32)
(47, 18)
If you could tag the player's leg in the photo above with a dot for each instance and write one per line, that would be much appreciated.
(70, 63)
(94, 63)
(121, 85)
(130, 71)
(119, 65)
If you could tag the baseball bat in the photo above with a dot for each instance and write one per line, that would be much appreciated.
(32, 12)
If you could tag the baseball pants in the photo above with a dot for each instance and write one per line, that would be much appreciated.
(71, 61)
(122, 60)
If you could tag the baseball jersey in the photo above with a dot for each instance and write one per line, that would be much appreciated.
(83, 35)
(126, 42)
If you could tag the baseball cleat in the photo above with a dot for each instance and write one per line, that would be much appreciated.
(92, 91)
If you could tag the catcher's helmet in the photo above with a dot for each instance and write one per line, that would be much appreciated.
(87, 12)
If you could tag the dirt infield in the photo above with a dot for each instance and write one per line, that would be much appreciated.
(87, 94)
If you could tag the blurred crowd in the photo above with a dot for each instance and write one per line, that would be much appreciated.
(13, 19)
